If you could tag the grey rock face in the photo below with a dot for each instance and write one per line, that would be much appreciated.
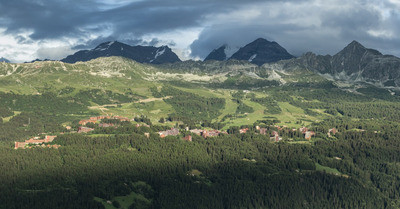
(355, 63)
(142, 54)
(262, 51)
(217, 54)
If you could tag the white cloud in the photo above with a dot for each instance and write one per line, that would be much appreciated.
(395, 2)
(381, 33)
(54, 53)
(20, 48)
(14, 50)
(180, 38)
(321, 26)
(196, 27)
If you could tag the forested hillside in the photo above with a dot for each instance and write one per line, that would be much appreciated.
(259, 138)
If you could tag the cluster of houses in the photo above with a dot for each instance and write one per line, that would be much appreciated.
(172, 132)
(307, 133)
(274, 135)
(36, 142)
(207, 133)
(83, 129)
(199, 132)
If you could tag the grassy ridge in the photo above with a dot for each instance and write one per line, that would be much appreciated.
(114, 85)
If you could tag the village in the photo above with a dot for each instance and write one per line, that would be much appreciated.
(37, 142)
(272, 131)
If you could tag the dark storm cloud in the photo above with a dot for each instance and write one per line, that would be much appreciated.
(236, 36)
(307, 27)
(133, 42)
(52, 19)
(95, 42)
(299, 26)
(47, 19)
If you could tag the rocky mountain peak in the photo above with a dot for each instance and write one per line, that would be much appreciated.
(217, 54)
(355, 44)
(142, 54)
(355, 49)
(262, 51)
(262, 41)
(353, 58)
(356, 63)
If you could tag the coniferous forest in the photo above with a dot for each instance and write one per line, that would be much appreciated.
(260, 157)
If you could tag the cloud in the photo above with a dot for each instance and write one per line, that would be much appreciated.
(194, 27)
(60, 18)
(324, 27)
(54, 53)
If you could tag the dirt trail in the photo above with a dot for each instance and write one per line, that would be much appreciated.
(103, 107)
(152, 99)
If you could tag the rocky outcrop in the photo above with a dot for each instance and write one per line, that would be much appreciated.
(262, 51)
(142, 54)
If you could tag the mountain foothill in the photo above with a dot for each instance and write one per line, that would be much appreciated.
(354, 64)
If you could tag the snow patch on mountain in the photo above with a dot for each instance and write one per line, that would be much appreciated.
(104, 47)
(159, 52)
(252, 57)
(111, 43)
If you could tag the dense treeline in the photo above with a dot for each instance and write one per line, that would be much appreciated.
(189, 106)
(103, 97)
(47, 102)
(5, 112)
(242, 107)
(271, 105)
(228, 171)
(62, 103)
(236, 171)
(26, 125)
(362, 106)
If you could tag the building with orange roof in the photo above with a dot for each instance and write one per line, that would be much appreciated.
(20, 145)
(172, 132)
(48, 139)
(35, 140)
(84, 129)
(243, 130)
(188, 138)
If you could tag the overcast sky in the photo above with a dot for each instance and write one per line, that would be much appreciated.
(53, 29)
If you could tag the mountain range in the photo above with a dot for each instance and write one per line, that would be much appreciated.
(354, 64)
(142, 54)
(258, 52)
